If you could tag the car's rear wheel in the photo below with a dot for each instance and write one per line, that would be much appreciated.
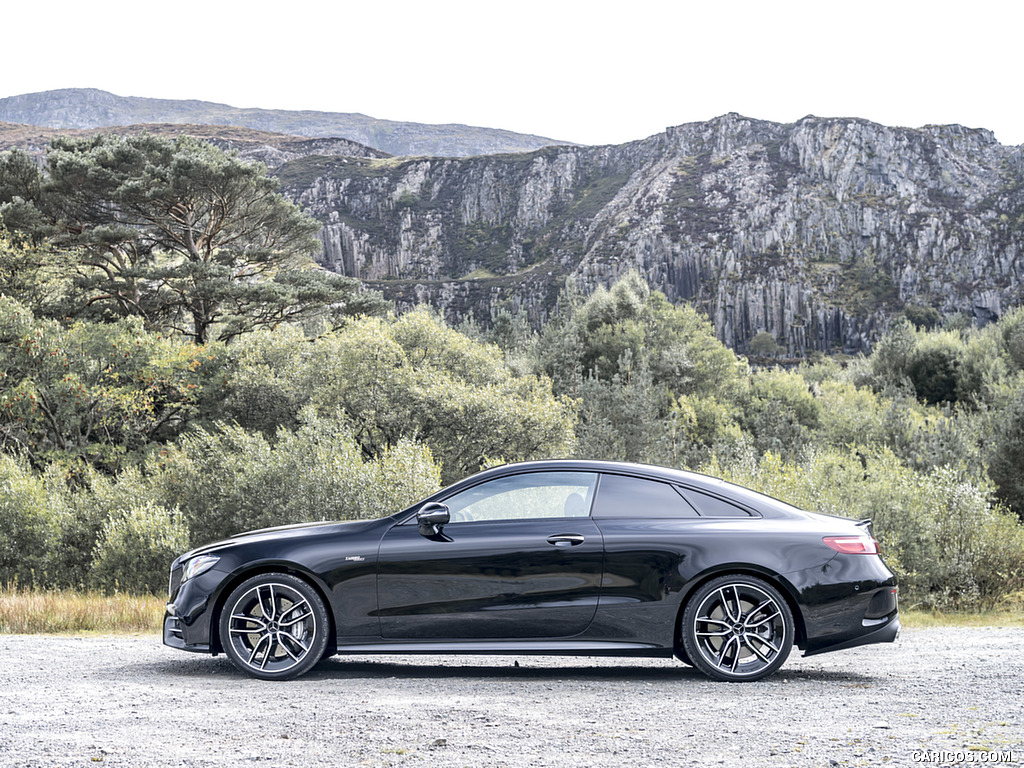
(737, 628)
(274, 626)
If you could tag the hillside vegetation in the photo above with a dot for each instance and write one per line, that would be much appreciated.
(127, 436)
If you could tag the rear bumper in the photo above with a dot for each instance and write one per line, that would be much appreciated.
(885, 633)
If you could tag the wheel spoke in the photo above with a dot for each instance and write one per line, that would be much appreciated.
(296, 606)
(774, 648)
(724, 650)
(260, 594)
(757, 652)
(261, 625)
(725, 605)
(289, 636)
(763, 621)
(736, 654)
(284, 646)
(256, 648)
(759, 608)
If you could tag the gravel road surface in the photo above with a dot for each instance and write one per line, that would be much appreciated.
(128, 701)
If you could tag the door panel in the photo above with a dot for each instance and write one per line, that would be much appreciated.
(490, 579)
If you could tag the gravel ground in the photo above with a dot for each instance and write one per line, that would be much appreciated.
(128, 701)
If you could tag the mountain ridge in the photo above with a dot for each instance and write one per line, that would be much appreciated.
(87, 108)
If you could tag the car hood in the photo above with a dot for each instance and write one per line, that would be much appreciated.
(281, 532)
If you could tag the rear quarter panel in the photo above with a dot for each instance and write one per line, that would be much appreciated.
(652, 566)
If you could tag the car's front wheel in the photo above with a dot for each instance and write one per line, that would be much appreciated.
(737, 628)
(274, 626)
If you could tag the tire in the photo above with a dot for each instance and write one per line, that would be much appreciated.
(285, 645)
(737, 628)
(680, 653)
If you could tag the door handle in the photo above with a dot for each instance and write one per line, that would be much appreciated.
(566, 539)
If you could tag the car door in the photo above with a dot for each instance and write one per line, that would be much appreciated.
(520, 558)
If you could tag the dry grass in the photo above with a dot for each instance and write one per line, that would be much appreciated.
(918, 619)
(1007, 611)
(25, 611)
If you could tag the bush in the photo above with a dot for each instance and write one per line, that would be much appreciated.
(949, 545)
(934, 372)
(26, 525)
(780, 411)
(1011, 326)
(1006, 455)
(135, 549)
(90, 501)
(227, 479)
(417, 378)
(410, 377)
(699, 428)
(619, 419)
(764, 344)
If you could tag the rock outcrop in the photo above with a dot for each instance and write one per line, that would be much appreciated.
(817, 232)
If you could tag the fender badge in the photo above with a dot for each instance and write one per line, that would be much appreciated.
(355, 558)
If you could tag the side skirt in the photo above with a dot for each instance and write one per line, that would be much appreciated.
(501, 647)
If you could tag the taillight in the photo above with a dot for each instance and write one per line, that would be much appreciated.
(852, 545)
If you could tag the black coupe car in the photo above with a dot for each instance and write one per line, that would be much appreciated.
(555, 557)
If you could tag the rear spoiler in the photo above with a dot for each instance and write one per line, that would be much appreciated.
(866, 525)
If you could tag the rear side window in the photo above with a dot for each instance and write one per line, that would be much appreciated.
(621, 496)
(712, 506)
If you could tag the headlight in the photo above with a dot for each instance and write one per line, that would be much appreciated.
(198, 565)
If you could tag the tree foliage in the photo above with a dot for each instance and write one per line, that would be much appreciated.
(98, 392)
(410, 377)
(177, 232)
(226, 479)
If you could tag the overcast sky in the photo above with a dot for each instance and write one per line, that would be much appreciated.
(585, 72)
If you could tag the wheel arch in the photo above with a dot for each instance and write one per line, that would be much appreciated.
(291, 569)
(780, 583)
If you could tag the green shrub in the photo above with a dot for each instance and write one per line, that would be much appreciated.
(1011, 326)
(934, 372)
(90, 501)
(764, 344)
(923, 317)
(700, 427)
(26, 525)
(950, 546)
(227, 479)
(780, 412)
(415, 378)
(1005, 453)
(135, 549)
(618, 419)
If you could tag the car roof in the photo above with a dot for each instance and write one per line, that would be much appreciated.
(695, 480)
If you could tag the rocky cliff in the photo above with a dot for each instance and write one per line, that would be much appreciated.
(817, 231)
(83, 108)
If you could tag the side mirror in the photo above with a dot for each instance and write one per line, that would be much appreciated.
(431, 517)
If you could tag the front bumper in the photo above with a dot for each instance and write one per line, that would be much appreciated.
(174, 636)
(187, 623)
